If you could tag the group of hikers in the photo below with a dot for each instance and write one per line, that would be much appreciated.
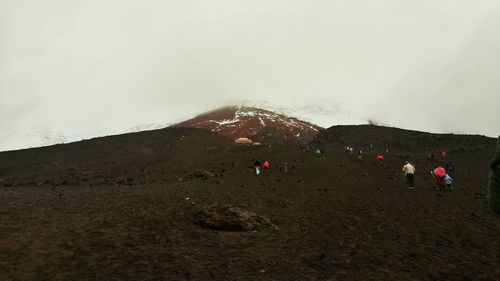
(264, 166)
(444, 155)
(443, 180)
(349, 149)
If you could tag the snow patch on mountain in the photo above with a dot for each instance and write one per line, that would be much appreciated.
(321, 113)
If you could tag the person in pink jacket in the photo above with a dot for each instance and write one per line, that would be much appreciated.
(439, 174)
(265, 166)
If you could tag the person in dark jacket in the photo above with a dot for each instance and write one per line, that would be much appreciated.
(494, 184)
(258, 166)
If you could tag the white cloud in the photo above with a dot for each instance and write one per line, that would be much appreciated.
(103, 66)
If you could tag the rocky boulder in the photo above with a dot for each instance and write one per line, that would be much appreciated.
(231, 218)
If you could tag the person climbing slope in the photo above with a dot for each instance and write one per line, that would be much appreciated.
(494, 183)
(430, 156)
(258, 166)
(409, 171)
(444, 154)
(439, 174)
(448, 181)
(380, 158)
(265, 166)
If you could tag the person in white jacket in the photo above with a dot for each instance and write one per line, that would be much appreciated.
(409, 171)
(448, 181)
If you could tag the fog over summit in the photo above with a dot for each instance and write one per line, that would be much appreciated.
(79, 69)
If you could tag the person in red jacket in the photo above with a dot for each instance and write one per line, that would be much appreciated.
(443, 156)
(439, 174)
(265, 166)
(380, 158)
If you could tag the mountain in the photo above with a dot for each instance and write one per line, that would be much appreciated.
(125, 208)
(255, 123)
(322, 113)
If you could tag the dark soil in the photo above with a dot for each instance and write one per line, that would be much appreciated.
(123, 208)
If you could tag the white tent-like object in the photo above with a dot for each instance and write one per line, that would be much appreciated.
(243, 141)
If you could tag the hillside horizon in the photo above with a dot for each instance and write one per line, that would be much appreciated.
(60, 139)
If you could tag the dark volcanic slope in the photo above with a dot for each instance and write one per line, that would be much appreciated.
(128, 158)
(122, 208)
(401, 140)
(255, 123)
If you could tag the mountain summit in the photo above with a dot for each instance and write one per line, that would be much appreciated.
(254, 123)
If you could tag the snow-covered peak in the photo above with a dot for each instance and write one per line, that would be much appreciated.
(252, 122)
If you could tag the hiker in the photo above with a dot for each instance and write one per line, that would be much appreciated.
(494, 183)
(285, 167)
(318, 152)
(380, 158)
(430, 156)
(448, 182)
(258, 166)
(409, 171)
(360, 155)
(265, 166)
(443, 156)
(351, 150)
(294, 166)
(439, 174)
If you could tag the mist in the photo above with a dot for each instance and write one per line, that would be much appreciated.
(88, 68)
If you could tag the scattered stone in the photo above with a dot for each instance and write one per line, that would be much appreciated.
(188, 199)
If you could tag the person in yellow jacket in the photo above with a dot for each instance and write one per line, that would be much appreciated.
(494, 184)
(409, 171)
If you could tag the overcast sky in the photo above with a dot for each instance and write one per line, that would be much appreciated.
(99, 66)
